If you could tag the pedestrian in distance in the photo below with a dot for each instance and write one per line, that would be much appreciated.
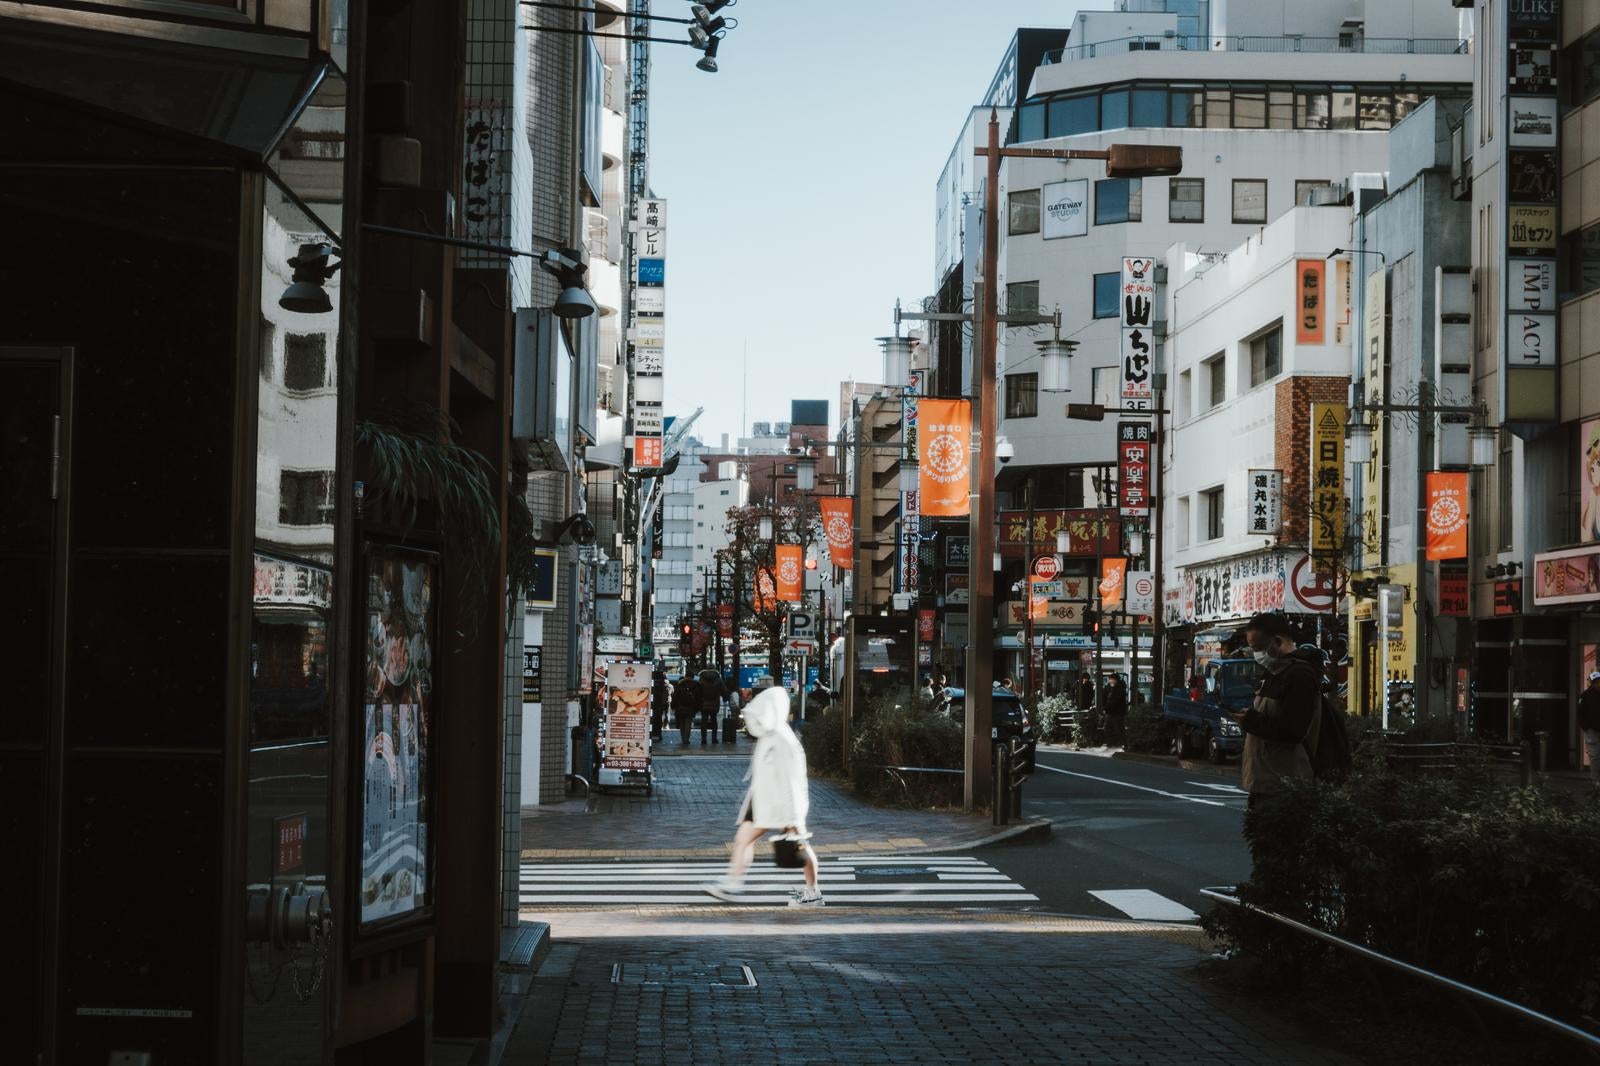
(711, 693)
(1116, 696)
(931, 693)
(778, 798)
(1085, 693)
(1281, 725)
(1589, 722)
(685, 702)
(660, 700)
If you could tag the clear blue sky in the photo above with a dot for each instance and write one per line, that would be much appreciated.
(799, 181)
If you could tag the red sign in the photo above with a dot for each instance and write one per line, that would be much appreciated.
(646, 451)
(1133, 468)
(925, 626)
(1046, 567)
(1084, 527)
(724, 619)
(1453, 591)
(288, 845)
(1508, 597)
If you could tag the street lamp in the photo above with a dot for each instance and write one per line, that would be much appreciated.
(805, 473)
(766, 527)
(1063, 542)
(896, 360)
(1136, 542)
(1482, 443)
(1055, 357)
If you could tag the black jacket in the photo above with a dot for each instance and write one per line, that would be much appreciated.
(1277, 723)
(686, 696)
(711, 690)
(1589, 709)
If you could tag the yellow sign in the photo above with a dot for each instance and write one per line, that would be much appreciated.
(1327, 475)
(1531, 227)
(1377, 361)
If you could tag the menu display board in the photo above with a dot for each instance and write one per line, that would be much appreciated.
(625, 736)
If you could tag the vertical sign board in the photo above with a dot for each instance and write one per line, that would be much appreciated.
(1327, 476)
(1312, 302)
(1133, 468)
(1266, 502)
(1529, 170)
(625, 738)
(1375, 381)
(649, 331)
(1136, 311)
(909, 523)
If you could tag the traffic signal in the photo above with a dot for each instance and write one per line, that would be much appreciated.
(686, 639)
(1091, 621)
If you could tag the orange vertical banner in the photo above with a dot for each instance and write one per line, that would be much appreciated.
(1311, 291)
(1447, 514)
(764, 594)
(790, 567)
(839, 526)
(1112, 571)
(1038, 602)
(944, 464)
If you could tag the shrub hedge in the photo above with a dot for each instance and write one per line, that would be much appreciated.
(1495, 886)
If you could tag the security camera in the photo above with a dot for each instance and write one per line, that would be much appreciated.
(579, 527)
(1004, 450)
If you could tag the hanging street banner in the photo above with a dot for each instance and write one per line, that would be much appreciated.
(1141, 592)
(724, 620)
(1090, 532)
(909, 513)
(790, 568)
(1327, 475)
(1447, 515)
(944, 468)
(1312, 290)
(1136, 310)
(647, 332)
(1133, 469)
(765, 593)
(1064, 209)
(1265, 503)
(1112, 573)
(838, 525)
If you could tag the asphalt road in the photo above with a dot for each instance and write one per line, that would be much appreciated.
(1126, 827)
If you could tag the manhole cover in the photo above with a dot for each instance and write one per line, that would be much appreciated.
(681, 975)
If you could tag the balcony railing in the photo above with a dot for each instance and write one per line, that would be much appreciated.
(1121, 46)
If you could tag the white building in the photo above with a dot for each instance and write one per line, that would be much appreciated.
(1245, 373)
(712, 501)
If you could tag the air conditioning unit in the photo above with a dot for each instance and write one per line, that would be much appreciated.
(1328, 195)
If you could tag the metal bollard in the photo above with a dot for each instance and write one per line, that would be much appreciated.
(1543, 739)
(1002, 783)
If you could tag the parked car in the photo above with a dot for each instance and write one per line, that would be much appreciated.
(1203, 725)
(1010, 717)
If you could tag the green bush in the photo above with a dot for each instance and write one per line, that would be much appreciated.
(1047, 717)
(1495, 886)
(887, 733)
(823, 739)
(1089, 728)
(1145, 729)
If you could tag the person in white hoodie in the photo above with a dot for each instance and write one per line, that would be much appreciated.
(778, 797)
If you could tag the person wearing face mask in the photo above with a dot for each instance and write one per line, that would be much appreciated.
(1281, 724)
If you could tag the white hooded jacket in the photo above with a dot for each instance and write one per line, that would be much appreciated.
(778, 796)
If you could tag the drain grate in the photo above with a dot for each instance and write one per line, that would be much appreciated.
(683, 975)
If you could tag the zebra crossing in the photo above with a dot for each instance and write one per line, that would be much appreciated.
(853, 881)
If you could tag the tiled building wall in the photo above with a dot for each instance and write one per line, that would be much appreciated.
(1292, 445)
(547, 495)
(511, 807)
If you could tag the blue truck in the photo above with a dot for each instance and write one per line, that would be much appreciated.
(1203, 725)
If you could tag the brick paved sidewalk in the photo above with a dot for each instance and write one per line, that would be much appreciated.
(692, 811)
(851, 986)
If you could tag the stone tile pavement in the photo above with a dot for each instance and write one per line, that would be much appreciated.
(853, 986)
(691, 813)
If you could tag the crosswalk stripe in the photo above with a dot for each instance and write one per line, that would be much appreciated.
(1145, 905)
(935, 880)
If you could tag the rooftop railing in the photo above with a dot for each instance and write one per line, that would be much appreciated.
(1352, 45)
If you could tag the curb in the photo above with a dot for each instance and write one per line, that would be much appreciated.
(1030, 831)
(1173, 762)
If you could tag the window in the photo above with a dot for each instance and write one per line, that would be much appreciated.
(1118, 200)
(1074, 114)
(1186, 106)
(1580, 262)
(1375, 111)
(1114, 109)
(305, 361)
(1185, 395)
(268, 332)
(1182, 524)
(1312, 110)
(1219, 115)
(1030, 122)
(1022, 210)
(1344, 110)
(1505, 474)
(1211, 502)
(1250, 107)
(1249, 200)
(1022, 395)
(1303, 190)
(1580, 74)
(1266, 356)
(1186, 200)
(1106, 288)
(1149, 107)
(1022, 297)
(1216, 379)
(1280, 110)
(305, 498)
(1405, 102)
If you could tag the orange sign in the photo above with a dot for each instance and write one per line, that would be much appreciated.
(790, 567)
(1038, 601)
(1311, 280)
(839, 526)
(1447, 514)
(646, 452)
(944, 464)
(1112, 572)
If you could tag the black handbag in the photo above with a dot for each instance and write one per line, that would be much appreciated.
(789, 852)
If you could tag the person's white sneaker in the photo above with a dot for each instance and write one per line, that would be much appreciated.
(724, 888)
(806, 897)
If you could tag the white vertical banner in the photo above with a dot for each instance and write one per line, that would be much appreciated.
(649, 331)
(1136, 301)
(1265, 505)
(909, 514)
